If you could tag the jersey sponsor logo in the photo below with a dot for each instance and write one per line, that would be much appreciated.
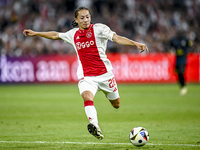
(80, 45)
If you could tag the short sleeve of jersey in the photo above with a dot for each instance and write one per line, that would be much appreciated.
(67, 37)
(106, 32)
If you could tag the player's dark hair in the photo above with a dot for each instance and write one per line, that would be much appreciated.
(73, 23)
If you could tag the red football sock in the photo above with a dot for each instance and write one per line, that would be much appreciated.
(91, 112)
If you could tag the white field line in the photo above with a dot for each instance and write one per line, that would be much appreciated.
(45, 142)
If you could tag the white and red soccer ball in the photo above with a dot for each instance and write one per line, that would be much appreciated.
(139, 136)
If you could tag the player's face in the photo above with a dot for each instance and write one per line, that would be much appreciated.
(83, 19)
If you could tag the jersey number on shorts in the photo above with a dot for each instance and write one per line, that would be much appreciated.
(112, 82)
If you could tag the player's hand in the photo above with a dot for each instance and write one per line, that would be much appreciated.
(29, 32)
(142, 47)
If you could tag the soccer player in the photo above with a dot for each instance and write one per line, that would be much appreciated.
(181, 44)
(95, 70)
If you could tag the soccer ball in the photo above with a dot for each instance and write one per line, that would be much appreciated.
(139, 136)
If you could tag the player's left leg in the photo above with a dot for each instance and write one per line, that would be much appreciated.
(182, 79)
(182, 83)
(109, 86)
(115, 103)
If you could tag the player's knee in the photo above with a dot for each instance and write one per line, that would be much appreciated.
(87, 95)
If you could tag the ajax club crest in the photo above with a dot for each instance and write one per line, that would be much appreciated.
(89, 34)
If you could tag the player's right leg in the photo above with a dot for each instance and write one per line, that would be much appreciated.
(88, 90)
(95, 131)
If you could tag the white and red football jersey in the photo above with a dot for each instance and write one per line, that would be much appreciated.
(90, 46)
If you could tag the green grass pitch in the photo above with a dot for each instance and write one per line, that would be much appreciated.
(52, 116)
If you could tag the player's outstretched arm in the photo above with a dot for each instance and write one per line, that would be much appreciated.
(125, 41)
(49, 35)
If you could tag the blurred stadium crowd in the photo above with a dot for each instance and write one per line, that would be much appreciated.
(153, 22)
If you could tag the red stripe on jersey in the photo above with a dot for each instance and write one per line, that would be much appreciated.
(88, 52)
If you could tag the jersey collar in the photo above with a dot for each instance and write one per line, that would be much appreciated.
(86, 30)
